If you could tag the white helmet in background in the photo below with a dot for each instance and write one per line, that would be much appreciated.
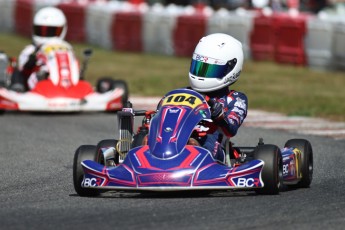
(49, 23)
(217, 62)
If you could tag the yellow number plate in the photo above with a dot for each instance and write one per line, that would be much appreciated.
(182, 99)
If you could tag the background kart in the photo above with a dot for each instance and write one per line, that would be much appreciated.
(159, 158)
(61, 86)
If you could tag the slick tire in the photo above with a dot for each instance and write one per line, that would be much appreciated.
(120, 84)
(307, 161)
(107, 143)
(272, 170)
(105, 84)
(84, 152)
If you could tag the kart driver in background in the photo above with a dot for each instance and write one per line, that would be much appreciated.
(49, 23)
(217, 64)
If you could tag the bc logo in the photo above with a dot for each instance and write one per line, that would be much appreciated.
(91, 182)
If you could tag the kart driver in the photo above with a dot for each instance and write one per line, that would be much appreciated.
(216, 64)
(49, 23)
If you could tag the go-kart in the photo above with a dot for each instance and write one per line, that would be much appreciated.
(61, 84)
(160, 157)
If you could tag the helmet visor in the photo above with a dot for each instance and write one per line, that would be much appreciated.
(48, 31)
(203, 69)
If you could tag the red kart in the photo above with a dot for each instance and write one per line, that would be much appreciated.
(60, 86)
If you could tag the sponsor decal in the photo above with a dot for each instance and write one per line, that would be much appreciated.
(232, 78)
(234, 116)
(173, 110)
(248, 182)
(91, 182)
(285, 169)
(203, 113)
(237, 110)
(209, 60)
(240, 103)
(55, 47)
(168, 129)
(130, 110)
(200, 58)
(57, 104)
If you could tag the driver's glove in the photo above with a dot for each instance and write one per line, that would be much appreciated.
(31, 63)
(216, 111)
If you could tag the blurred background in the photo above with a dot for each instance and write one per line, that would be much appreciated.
(299, 32)
(294, 50)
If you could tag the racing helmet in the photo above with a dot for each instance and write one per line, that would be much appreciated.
(49, 23)
(216, 63)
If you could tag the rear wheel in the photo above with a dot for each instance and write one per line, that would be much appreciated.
(307, 160)
(272, 170)
(84, 152)
(106, 84)
(120, 84)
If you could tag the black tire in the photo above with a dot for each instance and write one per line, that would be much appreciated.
(307, 166)
(272, 170)
(105, 84)
(84, 152)
(120, 84)
(106, 144)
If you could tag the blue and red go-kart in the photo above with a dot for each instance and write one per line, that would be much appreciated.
(61, 85)
(160, 157)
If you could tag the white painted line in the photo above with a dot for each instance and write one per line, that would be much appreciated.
(270, 120)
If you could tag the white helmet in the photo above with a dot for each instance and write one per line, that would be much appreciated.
(217, 62)
(49, 22)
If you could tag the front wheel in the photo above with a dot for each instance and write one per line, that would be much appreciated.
(306, 160)
(272, 171)
(110, 158)
(84, 152)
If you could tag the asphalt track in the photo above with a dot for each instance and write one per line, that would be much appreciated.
(36, 190)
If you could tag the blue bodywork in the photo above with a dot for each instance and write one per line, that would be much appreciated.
(167, 163)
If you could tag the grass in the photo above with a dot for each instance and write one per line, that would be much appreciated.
(295, 91)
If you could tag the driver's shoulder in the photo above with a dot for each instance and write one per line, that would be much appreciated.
(234, 93)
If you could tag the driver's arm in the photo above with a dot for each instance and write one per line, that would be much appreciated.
(232, 117)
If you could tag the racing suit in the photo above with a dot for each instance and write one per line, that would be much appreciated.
(228, 113)
(26, 66)
(232, 110)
